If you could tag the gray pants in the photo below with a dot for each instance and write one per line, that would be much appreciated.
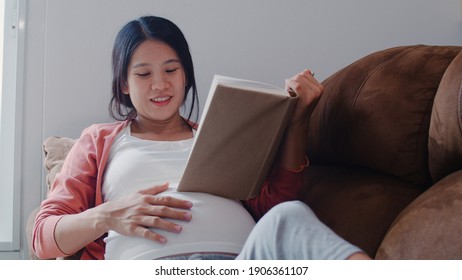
(291, 231)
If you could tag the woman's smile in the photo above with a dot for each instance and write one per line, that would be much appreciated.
(161, 100)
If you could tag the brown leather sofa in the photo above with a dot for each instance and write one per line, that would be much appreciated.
(385, 146)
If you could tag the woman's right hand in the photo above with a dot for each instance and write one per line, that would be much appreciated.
(134, 214)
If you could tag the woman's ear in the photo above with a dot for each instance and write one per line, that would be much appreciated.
(185, 79)
(125, 89)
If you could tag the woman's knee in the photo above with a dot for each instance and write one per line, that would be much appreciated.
(291, 209)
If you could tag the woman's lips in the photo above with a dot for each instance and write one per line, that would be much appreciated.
(161, 100)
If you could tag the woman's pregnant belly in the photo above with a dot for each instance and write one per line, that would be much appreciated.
(217, 225)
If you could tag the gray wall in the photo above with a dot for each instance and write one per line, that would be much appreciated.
(267, 40)
(67, 79)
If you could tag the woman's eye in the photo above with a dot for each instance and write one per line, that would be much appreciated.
(171, 70)
(143, 74)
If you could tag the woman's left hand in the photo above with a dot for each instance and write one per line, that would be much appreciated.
(308, 90)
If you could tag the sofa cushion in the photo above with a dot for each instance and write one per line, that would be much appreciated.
(430, 227)
(357, 203)
(445, 136)
(55, 150)
(376, 112)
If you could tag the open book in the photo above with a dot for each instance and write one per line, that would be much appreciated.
(239, 134)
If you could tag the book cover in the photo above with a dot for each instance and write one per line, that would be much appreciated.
(239, 134)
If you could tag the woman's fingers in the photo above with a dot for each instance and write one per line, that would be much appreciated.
(156, 219)
(148, 234)
(152, 197)
(305, 86)
(308, 90)
(169, 201)
(167, 212)
(155, 189)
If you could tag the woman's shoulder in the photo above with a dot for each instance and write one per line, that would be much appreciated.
(105, 128)
(98, 135)
(102, 131)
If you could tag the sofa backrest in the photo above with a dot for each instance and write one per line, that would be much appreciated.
(375, 113)
(445, 136)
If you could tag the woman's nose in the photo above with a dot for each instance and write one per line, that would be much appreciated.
(159, 84)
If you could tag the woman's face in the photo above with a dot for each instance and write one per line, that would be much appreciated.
(156, 81)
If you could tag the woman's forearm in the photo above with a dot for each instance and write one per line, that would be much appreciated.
(293, 150)
(308, 90)
(73, 232)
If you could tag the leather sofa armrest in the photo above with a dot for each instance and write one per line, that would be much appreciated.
(430, 227)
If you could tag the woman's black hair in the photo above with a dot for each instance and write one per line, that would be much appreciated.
(128, 39)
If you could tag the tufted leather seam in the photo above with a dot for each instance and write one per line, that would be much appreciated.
(459, 111)
(372, 73)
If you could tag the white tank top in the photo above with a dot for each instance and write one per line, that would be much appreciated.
(218, 224)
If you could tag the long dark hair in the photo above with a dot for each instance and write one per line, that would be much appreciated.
(128, 39)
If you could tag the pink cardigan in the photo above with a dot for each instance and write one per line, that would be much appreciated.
(78, 187)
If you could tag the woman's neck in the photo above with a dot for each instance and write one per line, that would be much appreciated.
(169, 130)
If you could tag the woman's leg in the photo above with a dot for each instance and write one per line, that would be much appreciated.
(292, 231)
